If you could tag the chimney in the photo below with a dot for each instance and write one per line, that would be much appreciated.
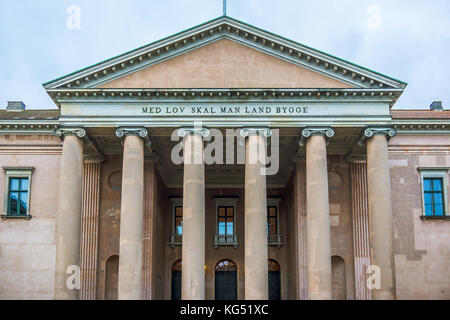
(15, 106)
(436, 106)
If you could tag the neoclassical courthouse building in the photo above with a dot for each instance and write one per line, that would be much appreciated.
(95, 207)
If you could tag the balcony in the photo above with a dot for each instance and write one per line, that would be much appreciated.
(175, 240)
(275, 240)
(225, 240)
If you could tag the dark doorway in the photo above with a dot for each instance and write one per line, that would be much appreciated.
(176, 280)
(226, 280)
(274, 280)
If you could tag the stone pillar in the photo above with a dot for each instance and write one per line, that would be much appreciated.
(131, 214)
(89, 227)
(256, 247)
(360, 222)
(68, 222)
(193, 246)
(318, 213)
(380, 209)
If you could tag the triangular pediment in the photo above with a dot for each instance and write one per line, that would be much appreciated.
(225, 53)
(225, 64)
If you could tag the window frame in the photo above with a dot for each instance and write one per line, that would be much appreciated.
(175, 238)
(435, 173)
(229, 202)
(274, 202)
(17, 173)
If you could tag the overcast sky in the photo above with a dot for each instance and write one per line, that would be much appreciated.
(405, 39)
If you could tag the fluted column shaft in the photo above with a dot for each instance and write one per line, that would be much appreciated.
(89, 228)
(193, 246)
(318, 216)
(131, 219)
(380, 214)
(68, 224)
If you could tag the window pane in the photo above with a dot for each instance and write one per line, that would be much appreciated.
(24, 184)
(179, 211)
(439, 210)
(272, 226)
(428, 210)
(428, 198)
(438, 198)
(272, 211)
(229, 228)
(14, 184)
(23, 203)
(222, 212)
(13, 199)
(230, 211)
(179, 226)
(427, 184)
(221, 228)
(437, 184)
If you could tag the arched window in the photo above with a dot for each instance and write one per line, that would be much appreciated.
(274, 280)
(176, 280)
(226, 265)
(226, 280)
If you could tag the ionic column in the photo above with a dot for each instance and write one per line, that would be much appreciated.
(380, 209)
(318, 213)
(131, 213)
(68, 221)
(193, 246)
(256, 248)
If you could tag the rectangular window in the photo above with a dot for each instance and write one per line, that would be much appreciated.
(434, 193)
(272, 220)
(17, 195)
(226, 221)
(433, 189)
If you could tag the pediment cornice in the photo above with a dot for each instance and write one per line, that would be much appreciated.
(225, 28)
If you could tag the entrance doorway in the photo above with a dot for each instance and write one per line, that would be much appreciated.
(226, 280)
(176, 280)
(274, 280)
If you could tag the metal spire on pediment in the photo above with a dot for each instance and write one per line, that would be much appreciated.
(224, 7)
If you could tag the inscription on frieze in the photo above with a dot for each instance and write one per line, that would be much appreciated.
(224, 110)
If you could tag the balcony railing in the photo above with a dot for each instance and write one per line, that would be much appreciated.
(175, 240)
(275, 240)
(229, 240)
(225, 240)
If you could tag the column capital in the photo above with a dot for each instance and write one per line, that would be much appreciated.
(315, 131)
(61, 132)
(141, 132)
(371, 131)
(183, 132)
(245, 132)
(356, 158)
(93, 158)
